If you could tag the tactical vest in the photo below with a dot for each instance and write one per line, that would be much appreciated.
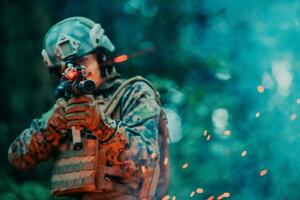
(86, 170)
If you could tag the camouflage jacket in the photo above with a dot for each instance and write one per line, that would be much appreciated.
(134, 130)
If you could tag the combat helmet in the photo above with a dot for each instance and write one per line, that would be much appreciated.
(73, 37)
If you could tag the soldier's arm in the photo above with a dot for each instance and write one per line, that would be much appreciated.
(32, 145)
(137, 131)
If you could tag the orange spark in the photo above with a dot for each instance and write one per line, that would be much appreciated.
(185, 165)
(298, 101)
(224, 195)
(244, 153)
(260, 89)
(120, 58)
(257, 114)
(153, 155)
(263, 172)
(227, 132)
(174, 198)
(192, 194)
(166, 160)
(208, 137)
(143, 168)
(167, 197)
(293, 116)
(199, 190)
(205, 133)
(211, 197)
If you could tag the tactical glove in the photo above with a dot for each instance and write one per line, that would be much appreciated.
(83, 111)
(57, 122)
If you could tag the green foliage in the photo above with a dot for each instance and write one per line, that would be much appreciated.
(26, 191)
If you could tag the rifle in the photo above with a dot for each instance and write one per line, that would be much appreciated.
(73, 83)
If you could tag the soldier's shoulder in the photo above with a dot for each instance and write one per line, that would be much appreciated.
(139, 83)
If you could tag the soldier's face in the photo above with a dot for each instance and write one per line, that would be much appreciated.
(93, 68)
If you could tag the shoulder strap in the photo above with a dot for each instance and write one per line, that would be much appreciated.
(112, 104)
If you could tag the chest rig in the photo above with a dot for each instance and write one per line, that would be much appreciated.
(87, 170)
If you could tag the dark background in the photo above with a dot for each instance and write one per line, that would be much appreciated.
(210, 59)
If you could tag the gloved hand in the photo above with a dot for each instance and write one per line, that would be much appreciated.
(83, 111)
(57, 122)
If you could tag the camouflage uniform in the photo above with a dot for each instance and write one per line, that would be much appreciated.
(129, 138)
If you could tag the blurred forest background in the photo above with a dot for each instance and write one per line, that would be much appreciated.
(228, 73)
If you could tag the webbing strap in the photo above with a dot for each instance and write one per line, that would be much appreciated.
(150, 183)
(72, 183)
(101, 163)
(154, 182)
(82, 152)
(74, 167)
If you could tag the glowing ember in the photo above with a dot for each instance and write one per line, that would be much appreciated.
(166, 160)
(244, 153)
(185, 165)
(208, 137)
(199, 190)
(211, 197)
(205, 133)
(260, 89)
(224, 195)
(293, 116)
(167, 197)
(263, 172)
(120, 58)
(257, 114)
(153, 155)
(143, 169)
(298, 101)
(227, 132)
(192, 194)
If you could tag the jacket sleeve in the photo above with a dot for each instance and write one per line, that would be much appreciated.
(133, 141)
(31, 146)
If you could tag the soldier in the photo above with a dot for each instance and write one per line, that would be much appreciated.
(119, 124)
